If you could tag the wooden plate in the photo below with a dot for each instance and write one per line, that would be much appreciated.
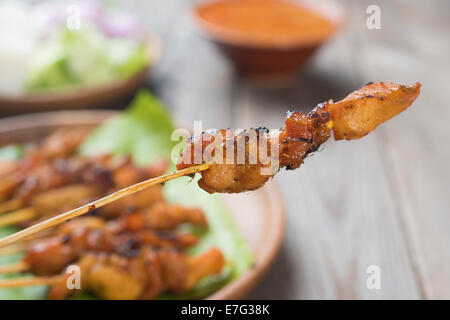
(258, 214)
(95, 97)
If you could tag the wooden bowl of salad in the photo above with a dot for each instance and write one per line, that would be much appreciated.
(63, 68)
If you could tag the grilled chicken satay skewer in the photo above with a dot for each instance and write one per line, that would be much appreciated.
(145, 276)
(154, 226)
(105, 173)
(97, 179)
(58, 145)
(99, 203)
(10, 205)
(14, 267)
(30, 281)
(51, 202)
(65, 198)
(52, 175)
(101, 248)
(52, 255)
(351, 118)
(158, 216)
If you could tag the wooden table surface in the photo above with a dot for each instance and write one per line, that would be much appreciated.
(383, 200)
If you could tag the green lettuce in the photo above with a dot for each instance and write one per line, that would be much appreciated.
(85, 57)
(144, 131)
(24, 293)
(11, 152)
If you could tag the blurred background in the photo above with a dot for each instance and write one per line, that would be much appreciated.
(382, 201)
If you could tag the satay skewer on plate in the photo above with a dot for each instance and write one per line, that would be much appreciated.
(351, 118)
(51, 186)
(52, 255)
(99, 203)
(144, 276)
(155, 226)
(139, 247)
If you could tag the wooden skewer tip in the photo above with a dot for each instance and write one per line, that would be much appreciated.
(17, 216)
(15, 267)
(29, 281)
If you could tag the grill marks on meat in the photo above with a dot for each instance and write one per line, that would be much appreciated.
(302, 135)
(365, 109)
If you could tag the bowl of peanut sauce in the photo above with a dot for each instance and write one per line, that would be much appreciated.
(269, 40)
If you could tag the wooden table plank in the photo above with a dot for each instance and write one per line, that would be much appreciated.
(341, 211)
(413, 44)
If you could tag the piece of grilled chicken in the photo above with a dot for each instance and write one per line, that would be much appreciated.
(155, 226)
(144, 276)
(351, 118)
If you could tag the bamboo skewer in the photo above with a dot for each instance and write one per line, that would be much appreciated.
(100, 203)
(47, 201)
(15, 267)
(21, 245)
(12, 249)
(30, 281)
(10, 205)
(17, 216)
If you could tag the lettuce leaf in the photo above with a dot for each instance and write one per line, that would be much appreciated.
(144, 131)
(24, 293)
(11, 152)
